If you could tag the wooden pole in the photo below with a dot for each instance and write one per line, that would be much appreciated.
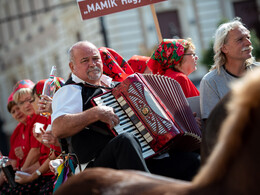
(156, 23)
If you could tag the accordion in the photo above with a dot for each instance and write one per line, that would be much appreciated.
(155, 110)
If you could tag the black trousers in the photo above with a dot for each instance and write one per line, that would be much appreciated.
(179, 165)
(122, 152)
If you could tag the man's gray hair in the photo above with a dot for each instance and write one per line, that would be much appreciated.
(221, 38)
(70, 51)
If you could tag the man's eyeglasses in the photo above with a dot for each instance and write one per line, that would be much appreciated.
(191, 54)
(30, 100)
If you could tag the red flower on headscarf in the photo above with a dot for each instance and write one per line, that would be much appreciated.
(180, 50)
(169, 52)
(114, 65)
(160, 48)
(164, 54)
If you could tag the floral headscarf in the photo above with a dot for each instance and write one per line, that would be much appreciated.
(23, 84)
(114, 64)
(168, 54)
(10, 98)
(138, 63)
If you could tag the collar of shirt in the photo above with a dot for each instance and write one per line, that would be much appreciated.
(104, 78)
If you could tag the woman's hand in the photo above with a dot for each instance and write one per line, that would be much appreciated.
(19, 152)
(44, 104)
(23, 177)
(50, 139)
(54, 164)
(38, 131)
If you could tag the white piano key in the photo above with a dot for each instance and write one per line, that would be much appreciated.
(109, 103)
(149, 139)
(139, 124)
(148, 153)
(128, 110)
(143, 143)
(120, 99)
(141, 128)
(102, 98)
(120, 128)
(145, 148)
(124, 116)
(131, 113)
(120, 112)
(122, 103)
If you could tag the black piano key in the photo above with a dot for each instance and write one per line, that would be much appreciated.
(134, 119)
(127, 121)
(123, 117)
(130, 125)
(131, 130)
(117, 108)
(125, 125)
(143, 132)
(125, 106)
(146, 149)
(106, 96)
(120, 115)
(120, 130)
(112, 102)
(108, 99)
(138, 135)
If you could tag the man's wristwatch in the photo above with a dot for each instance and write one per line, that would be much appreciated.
(38, 172)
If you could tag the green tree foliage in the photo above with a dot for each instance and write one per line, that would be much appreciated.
(256, 45)
(208, 56)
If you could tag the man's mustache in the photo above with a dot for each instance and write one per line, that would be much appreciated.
(94, 69)
(247, 48)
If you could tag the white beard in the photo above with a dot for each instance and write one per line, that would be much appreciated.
(94, 77)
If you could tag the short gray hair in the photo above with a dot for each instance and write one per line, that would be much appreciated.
(221, 38)
(70, 51)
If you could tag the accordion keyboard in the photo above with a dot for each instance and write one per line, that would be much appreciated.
(129, 122)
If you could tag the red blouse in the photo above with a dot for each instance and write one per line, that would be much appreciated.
(20, 137)
(187, 86)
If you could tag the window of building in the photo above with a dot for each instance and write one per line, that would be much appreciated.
(78, 36)
(19, 10)
(32, 10)
(247, 11)
(169, 24)
(9, 24)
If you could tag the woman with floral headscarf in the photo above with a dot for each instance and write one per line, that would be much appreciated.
(176, 58)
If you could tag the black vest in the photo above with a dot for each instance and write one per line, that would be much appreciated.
(92, 139)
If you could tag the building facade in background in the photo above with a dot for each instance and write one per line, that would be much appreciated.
(36, 34)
